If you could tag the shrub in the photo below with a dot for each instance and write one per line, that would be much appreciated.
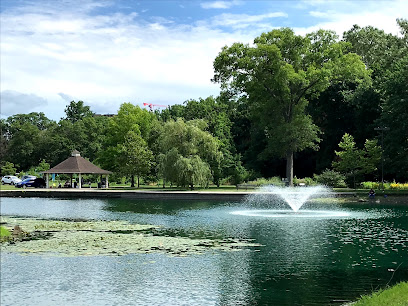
(331, 178)
(270, 181)
(370, 185)
(308, 181)
(376, 185)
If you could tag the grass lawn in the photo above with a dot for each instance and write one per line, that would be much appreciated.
(394, 296)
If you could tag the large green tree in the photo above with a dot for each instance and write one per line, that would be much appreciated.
(277, 74)
(395, 118)
(130, 120)
(187, 153)
(134, 157)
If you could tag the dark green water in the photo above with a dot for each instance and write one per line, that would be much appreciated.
(325, 255)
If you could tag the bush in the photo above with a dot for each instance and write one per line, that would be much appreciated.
(276, 180)
(393, 186)
(331, 178)
(308, 181)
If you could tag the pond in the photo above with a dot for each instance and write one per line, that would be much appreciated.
(329, 254)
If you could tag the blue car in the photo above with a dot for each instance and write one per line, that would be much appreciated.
(31, 182)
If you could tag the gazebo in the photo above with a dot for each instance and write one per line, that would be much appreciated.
(76, 164)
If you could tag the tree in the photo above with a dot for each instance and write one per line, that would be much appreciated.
(215, 114)
(276, 76)
(353, 161)
(134, 157)
(192, 171)
(186, 153)
(8, 169)
(395, 117)
(76, 111)
(130, 119)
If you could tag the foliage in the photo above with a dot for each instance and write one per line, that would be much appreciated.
(134, 157)
(276, 181)
(277, 74)
(395, 118)
(238, 173)
(308, 181)
(192, 171)
(353, 161)
(189, 146)
(77, 111)
(131, 120)
(8, 169)
(331, 178)
(387, 186)
(42, 166)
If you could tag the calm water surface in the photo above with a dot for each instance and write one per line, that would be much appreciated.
(306, 259)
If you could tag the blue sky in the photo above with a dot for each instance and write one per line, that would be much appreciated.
(109, 52)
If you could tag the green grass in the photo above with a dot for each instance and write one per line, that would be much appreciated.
(394, 296)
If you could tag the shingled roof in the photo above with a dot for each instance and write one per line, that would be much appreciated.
(77, 164)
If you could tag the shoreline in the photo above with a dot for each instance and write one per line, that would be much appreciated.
(138, 194)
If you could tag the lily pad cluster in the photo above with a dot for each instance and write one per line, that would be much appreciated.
(76, 238)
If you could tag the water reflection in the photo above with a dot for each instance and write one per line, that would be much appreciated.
(303, 261)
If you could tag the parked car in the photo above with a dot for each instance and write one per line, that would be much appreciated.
(10, 179)
(28, 176)
(30, 182)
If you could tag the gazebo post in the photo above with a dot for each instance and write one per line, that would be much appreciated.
(72, 185)
(107, 183)
(80, 181)
(47, 183)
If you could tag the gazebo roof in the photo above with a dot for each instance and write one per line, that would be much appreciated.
(77, 164)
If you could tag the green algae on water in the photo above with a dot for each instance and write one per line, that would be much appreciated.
(78, 238)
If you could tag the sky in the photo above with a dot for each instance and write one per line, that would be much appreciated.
(109, 52)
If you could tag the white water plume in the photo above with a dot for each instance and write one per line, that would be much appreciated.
(295, 197)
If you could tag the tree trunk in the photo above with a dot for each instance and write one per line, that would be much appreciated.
(289, 168)
(132, 182)
(138, 181)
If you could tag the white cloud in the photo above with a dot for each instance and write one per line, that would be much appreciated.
(60, 54)
(219, 4)
(384, 18)
(340, 16)
(319, 14)
(239, 21)
(107, 60)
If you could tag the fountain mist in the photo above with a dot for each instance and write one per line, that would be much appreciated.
(295, 197)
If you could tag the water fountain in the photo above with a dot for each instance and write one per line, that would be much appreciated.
(277, 200)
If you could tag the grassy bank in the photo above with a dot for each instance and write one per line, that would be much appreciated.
(394, 296)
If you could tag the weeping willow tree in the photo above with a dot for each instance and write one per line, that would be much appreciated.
(187, 151)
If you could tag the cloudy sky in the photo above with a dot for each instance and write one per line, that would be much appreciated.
(161, 52)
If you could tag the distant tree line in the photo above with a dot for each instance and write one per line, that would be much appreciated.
(289, 105)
